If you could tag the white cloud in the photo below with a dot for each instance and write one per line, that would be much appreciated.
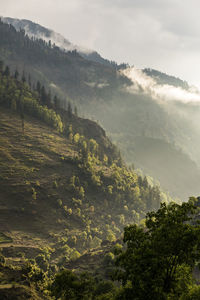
(147, 85)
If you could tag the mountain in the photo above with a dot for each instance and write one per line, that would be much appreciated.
(164, 158)
(162, 79)
(58, 169)
(73, 77)
(130, 104)
(64, 190)
(39, 32)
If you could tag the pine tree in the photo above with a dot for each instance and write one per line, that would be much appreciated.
(23, 77)
(1, 66)
(56, 102)
(16, 75)
(69, 109)
(75, 111)
(29, 80)
(43, 95)
(6, 71)
(38, 87)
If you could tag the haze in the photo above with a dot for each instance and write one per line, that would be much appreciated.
(163, 35)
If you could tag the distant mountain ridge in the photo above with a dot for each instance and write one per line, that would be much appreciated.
(104, 93)
(37, 31)
(33, 29)
(162, 78)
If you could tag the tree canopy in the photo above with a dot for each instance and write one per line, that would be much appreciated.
(156, 255)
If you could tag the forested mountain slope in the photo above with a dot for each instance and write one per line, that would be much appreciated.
(64, 190)
(162, 78)
(103, 92)
(39, 32)
(61, 178)
(72, 76)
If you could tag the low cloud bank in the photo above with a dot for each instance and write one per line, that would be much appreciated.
(148, 85)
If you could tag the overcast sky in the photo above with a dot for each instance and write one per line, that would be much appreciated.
(161, 34)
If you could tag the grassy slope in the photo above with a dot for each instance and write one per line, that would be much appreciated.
(125, 116)
(39, 205)
(28, 162)
(17, 287)
(31, 163)
(35, 169)
(35, 172)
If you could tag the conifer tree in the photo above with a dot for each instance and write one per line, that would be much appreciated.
(38, 87)
(1, 66)
(69, 109)
(6, 71)
(56, 102)
(43, 95)
(16, 75)
(75, 111)
(29, 80)
(23, 77)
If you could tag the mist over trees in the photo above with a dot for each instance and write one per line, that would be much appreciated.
(76, 221)
(134, 120)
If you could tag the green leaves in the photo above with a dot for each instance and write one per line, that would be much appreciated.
(68, 285)
(18, 97)
(155, 255)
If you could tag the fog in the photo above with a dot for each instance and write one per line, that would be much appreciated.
(163, 35)
(145, 84)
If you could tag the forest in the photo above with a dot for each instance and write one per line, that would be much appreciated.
(140, 126)
(77, 222)
(85, 201)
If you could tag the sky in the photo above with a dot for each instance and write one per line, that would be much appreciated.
(158, 34)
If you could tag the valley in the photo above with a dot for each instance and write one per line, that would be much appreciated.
(97, 163)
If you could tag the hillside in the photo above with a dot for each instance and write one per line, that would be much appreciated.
(46, 186)
(165, 159)
(39, 32)
(64, 189)
(104, 93)
(65, 192)
(162, 78)
(72, 77)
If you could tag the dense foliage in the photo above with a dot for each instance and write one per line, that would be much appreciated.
(68, 285)
(98, 165)
(157, 263)
(68, 197)
(17, 96)
(159, 260)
